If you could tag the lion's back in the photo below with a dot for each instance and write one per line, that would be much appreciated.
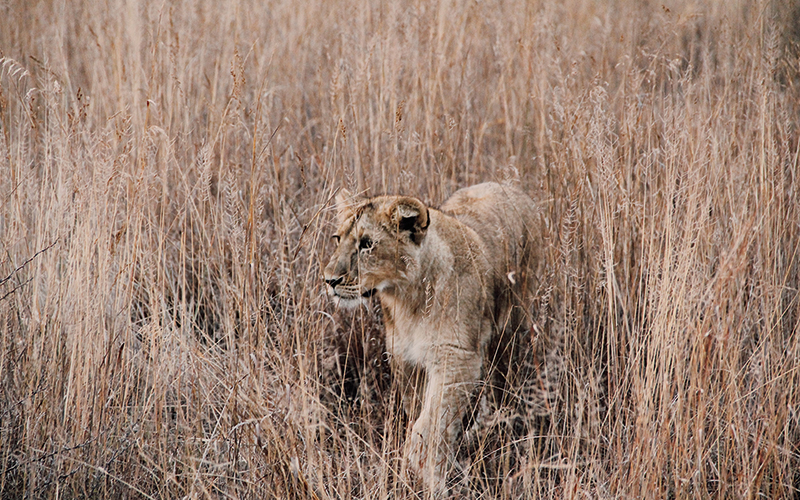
(503, 216)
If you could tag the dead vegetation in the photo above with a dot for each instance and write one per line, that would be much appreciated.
(165, 204)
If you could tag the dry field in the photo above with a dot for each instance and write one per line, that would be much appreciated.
(166, 175)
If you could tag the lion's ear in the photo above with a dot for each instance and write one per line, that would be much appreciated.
(410, 214)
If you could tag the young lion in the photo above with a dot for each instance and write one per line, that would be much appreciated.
(449, 281)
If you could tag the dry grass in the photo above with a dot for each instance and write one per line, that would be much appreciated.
(167, 170)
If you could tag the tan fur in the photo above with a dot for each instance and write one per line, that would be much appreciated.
(448, 280)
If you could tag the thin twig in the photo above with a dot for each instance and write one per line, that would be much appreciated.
(18, 269)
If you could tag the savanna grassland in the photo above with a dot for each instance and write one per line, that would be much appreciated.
(167, 171)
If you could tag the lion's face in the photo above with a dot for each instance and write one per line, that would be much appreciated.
(377, 244)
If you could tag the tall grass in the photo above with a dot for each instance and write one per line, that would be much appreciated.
(165, 207)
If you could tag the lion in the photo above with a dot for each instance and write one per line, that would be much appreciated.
(449, 281)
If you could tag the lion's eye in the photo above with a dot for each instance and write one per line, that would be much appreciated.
(365, 243)
(336, 238)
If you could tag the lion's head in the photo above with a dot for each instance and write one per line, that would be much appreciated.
(378, 241)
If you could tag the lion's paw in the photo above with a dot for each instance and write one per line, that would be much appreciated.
(425, 460)
(416, 448)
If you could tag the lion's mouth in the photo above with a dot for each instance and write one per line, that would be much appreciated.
(350, 295)
(347, 292)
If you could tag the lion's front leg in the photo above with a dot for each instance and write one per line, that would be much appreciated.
(430, 447)
(412, 382)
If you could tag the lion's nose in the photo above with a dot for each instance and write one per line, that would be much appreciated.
(333, 281)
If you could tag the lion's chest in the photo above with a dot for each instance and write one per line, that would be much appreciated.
(411, 342)
(418, 339)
